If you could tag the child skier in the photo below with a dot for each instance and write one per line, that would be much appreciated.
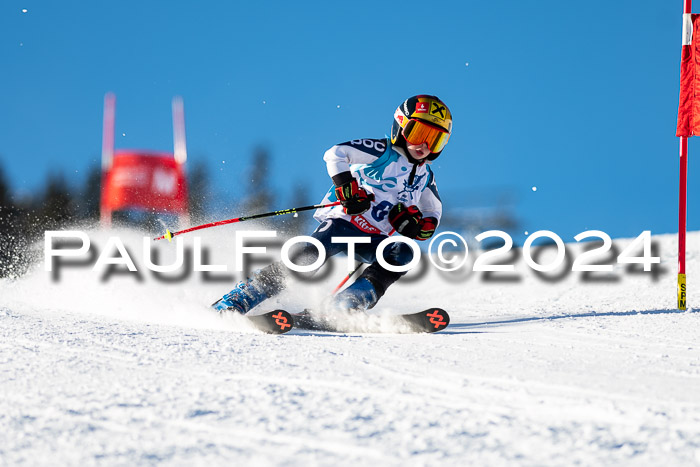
(384, 186)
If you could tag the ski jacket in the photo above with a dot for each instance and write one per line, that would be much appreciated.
(385, 171)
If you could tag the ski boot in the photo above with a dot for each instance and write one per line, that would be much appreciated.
(241, 299)
(360, 296)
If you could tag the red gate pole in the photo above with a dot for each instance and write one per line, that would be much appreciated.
(682, 223)
(107, 155)
(683, 184)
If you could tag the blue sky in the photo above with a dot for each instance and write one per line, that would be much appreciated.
(578, 99)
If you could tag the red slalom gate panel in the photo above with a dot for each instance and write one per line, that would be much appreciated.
(144, 180)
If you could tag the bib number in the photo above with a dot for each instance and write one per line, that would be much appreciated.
(381, 210)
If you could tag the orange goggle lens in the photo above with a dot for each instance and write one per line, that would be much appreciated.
(417, 132)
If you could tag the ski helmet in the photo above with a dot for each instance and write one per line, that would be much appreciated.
(422, 119)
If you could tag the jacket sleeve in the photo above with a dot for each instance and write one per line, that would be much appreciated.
(430, 203)
(358, 151)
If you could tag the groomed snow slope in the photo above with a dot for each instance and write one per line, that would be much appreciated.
(531, 372)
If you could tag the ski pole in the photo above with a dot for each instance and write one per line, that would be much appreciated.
(169, 235)
(342, 283)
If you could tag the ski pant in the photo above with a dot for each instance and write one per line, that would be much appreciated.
(272, 279)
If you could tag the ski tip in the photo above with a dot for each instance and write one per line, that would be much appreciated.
(273, 322)
(168, 235)
(438, 319)
(283, 321)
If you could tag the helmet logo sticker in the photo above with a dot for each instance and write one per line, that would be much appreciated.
(437, 110)
(400, 117)
(421, 107)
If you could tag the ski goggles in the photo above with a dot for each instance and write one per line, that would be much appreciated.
(418, 132)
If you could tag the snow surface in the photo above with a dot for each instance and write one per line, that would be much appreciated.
(532, 371)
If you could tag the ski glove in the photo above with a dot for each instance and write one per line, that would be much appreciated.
(353, 197)
(409, 222)
(427, 228)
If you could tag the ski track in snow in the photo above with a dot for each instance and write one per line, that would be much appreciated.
(530, 372)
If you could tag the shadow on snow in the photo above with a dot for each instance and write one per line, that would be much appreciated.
(563, 316)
